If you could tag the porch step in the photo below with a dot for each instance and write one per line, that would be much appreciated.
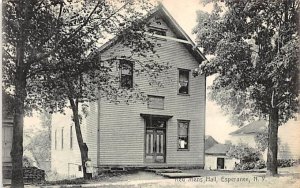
(179, 175)
(163, 170)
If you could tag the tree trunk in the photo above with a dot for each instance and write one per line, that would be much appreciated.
(20, 95)
(272, 143)
(82, 146)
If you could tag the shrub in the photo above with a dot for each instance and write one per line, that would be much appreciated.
(250, 165)
(244, 153)
(260, 164)
(286, 162)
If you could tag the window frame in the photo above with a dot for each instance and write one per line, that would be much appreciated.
(158, 31)
(188, 134)
(178, 82)
(128, 62)
(71, 137)
(62, 138)
(156, 96)
(55, 139)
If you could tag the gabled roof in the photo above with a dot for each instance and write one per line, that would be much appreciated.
(161, 11)
(209, 142)
(255, 127)
(218, 149)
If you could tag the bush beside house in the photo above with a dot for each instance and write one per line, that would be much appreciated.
(250, 158)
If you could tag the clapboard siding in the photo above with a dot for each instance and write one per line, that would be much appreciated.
(65, 161)
(289, 140)
(122, 128)
(92, 131)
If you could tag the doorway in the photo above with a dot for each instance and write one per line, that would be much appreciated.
(220, 163)
(155, 140)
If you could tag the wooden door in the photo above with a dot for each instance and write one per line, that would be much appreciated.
(6, 143)
(155, 142)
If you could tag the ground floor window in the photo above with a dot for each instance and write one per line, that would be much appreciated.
(183, 134)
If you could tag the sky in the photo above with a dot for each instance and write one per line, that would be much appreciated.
(184, 12)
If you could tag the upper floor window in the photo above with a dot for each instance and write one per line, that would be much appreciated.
(126, 68)
(71, 137)
(55, 139)
(62, 138)
(183, 81)
(183, 134)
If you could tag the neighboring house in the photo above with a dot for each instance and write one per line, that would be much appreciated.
(216, 158)
(288, 136)
(166, 132)
(247, 133)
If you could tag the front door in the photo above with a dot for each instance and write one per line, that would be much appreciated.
(220, 163)
(155, 140)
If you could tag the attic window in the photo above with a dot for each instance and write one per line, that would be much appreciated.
(158, 31)
(158, 22)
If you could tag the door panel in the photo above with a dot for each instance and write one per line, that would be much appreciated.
(160, 137)
(155, 142)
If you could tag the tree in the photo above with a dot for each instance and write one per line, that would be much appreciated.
(256, 60)
(36, 32)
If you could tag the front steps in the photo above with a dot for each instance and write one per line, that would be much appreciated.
(171, 173)
(163, 170)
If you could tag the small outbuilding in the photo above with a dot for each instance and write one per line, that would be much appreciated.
(216, 158)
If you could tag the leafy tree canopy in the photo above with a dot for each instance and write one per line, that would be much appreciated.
(256, 63)
(256, 56)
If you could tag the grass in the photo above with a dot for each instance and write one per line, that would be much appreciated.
(104, 176)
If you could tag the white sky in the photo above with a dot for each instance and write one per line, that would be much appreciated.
(184, 12)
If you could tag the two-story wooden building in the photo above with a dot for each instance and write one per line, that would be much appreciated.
(168, 131)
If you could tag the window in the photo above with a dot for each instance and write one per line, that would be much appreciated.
(126, 68)
(71, 137)
(156, 102)
(55, 139)
(62, 138)
(158, 31)
(183, 134)
(183, 81)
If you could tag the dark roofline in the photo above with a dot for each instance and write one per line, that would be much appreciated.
(223, 154)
